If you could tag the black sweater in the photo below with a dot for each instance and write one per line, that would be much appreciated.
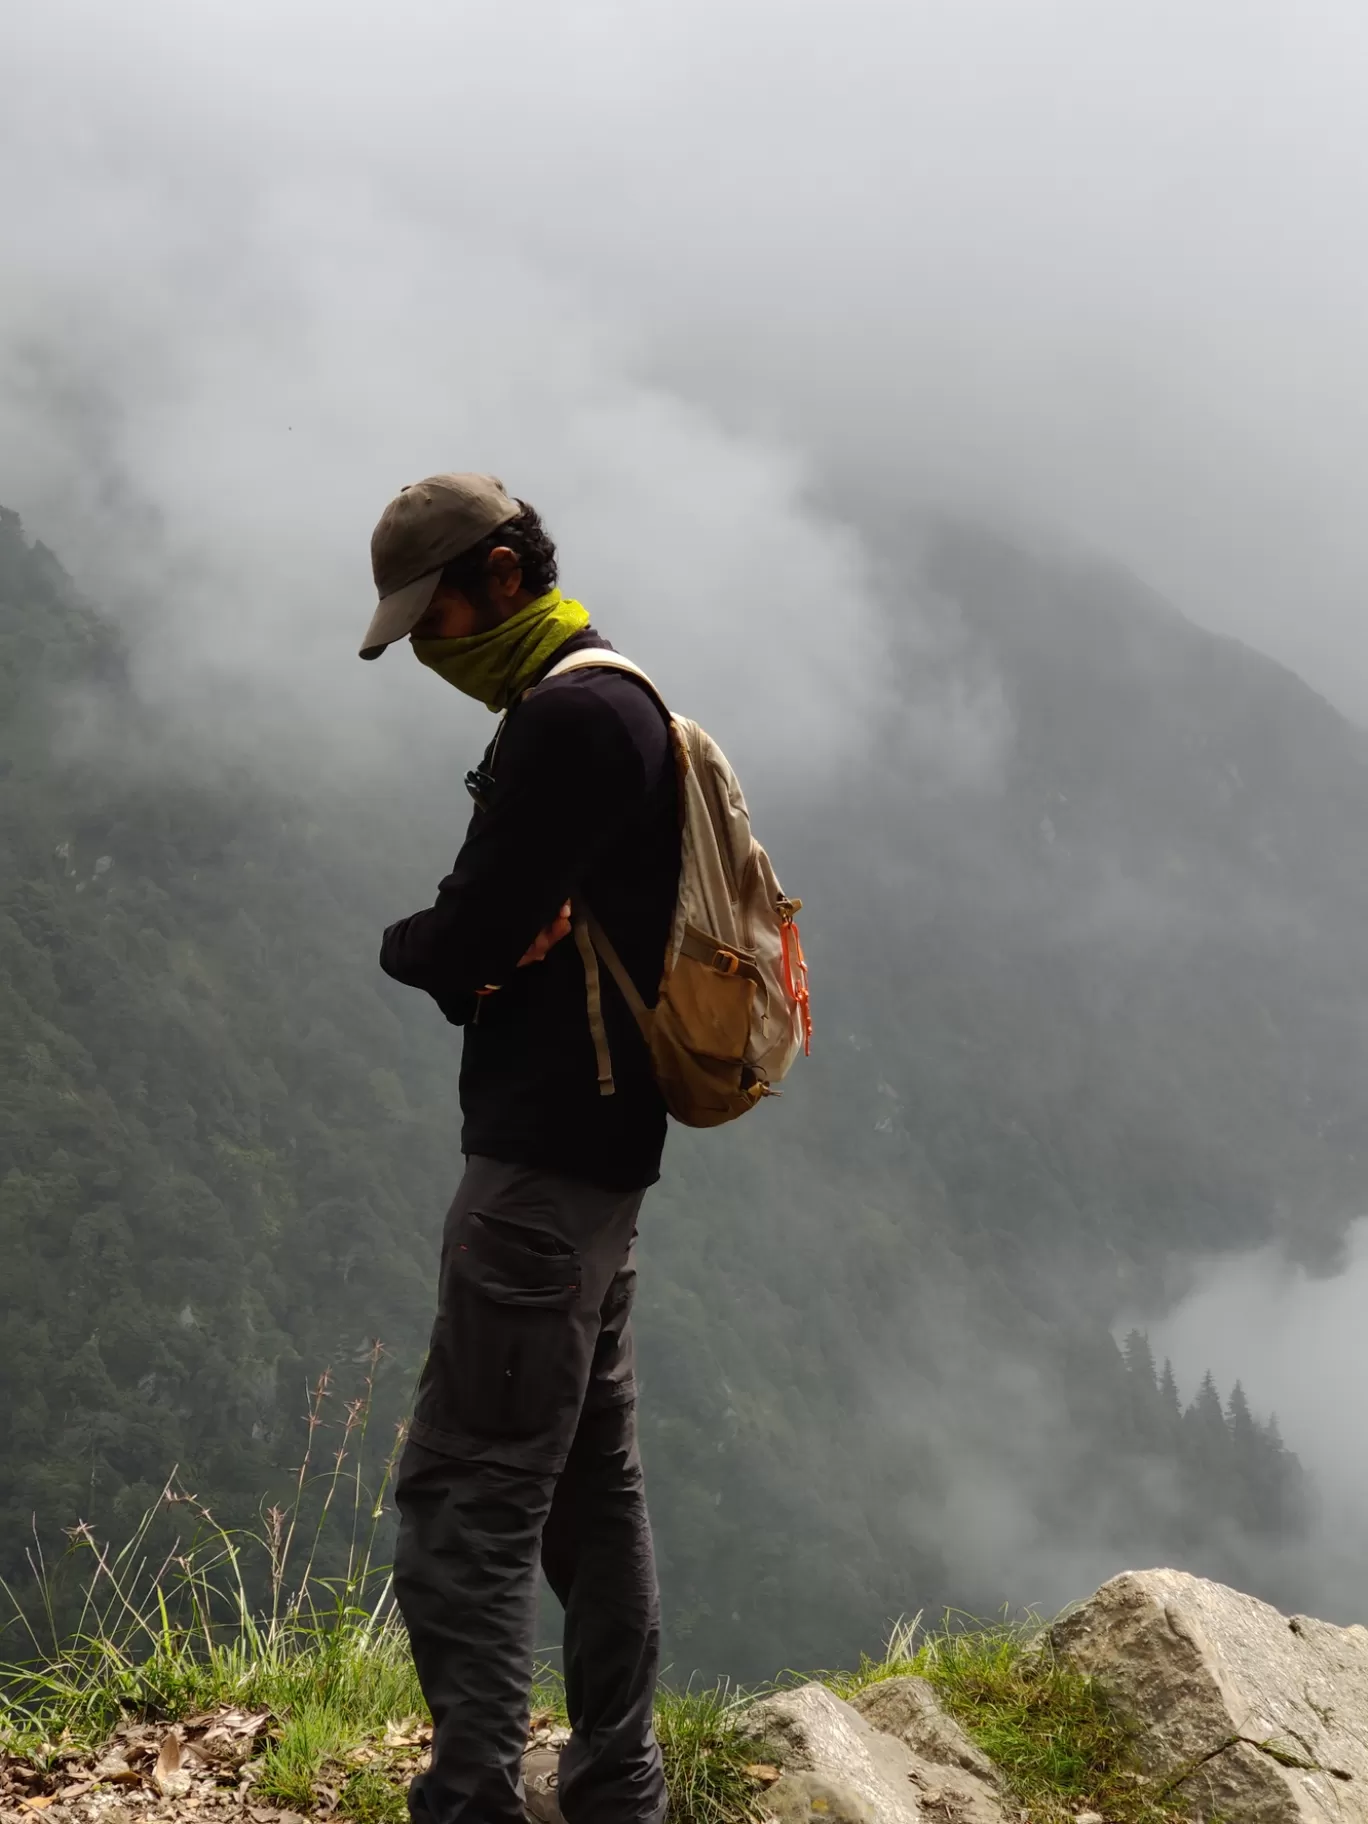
(584, 805)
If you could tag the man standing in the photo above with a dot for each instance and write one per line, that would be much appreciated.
(524, 1438)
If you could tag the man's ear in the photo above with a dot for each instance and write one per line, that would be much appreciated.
(504, 572)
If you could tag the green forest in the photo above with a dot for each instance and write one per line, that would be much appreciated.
(1104, 1015)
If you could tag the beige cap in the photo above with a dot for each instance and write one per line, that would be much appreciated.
(421, 530)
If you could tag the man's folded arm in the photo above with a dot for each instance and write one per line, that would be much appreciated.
(569, 779)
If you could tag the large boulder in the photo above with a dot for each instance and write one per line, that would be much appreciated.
(1250, 1715)
(840, 1765)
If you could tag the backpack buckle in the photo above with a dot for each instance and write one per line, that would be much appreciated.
(726, 963)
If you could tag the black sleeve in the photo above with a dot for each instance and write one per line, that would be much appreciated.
(568, 778)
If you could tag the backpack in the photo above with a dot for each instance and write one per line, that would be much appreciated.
(732, 1009)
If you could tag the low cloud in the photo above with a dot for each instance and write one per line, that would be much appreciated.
(1297, 1342)
(221, 505)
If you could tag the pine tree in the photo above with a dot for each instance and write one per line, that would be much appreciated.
(1209, 1452)
(1144, 1425)
(1244, 1432)
(1139, 1358)
(1208, 1411)
(1168, 1398)
(1255, 1471)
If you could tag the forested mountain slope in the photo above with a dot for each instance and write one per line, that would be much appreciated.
(1134, 973)
(209, 1146)
(1099, 1012)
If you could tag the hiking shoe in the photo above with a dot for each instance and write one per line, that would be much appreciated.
(540, 1778)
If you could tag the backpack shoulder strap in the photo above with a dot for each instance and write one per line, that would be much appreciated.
(600, 658)
(591, 939)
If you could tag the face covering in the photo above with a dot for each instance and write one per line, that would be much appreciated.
(496, 667)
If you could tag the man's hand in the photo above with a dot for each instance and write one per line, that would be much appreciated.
(547, 939)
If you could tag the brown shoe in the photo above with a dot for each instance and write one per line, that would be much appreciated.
(539, 1786)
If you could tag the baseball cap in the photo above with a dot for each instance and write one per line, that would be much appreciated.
(422, 529)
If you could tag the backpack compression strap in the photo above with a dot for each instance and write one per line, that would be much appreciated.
(593, 942)
(594, 993)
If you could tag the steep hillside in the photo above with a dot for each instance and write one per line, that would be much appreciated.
(1092, 1015)
(1131, 978)
(220, 1149)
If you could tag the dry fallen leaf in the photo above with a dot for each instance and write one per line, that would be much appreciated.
(408, 1734)
(171, 1780)
(41, 1803)
(238, 1723)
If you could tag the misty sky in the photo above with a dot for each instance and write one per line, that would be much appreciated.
(671, 270)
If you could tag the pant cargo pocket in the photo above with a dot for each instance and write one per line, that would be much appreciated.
(504, 1361)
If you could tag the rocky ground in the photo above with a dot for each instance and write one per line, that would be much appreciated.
(1227, 1711)
(147, 1771)
(202, 1769)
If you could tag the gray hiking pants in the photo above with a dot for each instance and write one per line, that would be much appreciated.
(524, 1443)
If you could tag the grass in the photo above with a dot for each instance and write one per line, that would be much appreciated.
(1058, 1745)
(370, 1796)
(214, 1619)
(191, 1617)
(702, 1737)
(211, 1619)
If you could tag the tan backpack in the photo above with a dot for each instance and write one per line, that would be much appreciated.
(732, 1010)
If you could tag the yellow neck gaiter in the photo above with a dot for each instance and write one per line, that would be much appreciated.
(496, 667)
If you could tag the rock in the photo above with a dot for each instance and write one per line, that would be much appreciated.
(957, 1780)
(909, 1708)
(811, 1732)
(867, 1768)
(1251, 1715)
(807, 1798)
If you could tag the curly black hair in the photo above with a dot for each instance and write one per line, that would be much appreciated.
(530, 542)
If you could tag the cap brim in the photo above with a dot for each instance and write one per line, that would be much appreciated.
(398, 614)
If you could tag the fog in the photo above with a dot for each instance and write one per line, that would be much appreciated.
(721, 288)
(1297, 1343)
(678, 270)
